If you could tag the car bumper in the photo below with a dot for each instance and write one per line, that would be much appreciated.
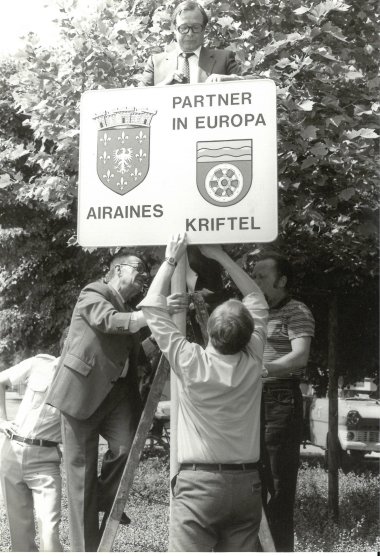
(358, 445)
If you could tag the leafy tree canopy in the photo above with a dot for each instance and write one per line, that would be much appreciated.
(322, 56)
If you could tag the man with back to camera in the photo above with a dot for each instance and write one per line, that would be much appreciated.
(30, 456)
(217, 492)
(190, 61)
(96, 389)
(290, 330)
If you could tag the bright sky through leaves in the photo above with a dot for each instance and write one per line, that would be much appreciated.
(19, 17)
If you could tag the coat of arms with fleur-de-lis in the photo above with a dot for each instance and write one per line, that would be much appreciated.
(123, 148)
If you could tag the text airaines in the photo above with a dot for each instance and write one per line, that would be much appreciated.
(126, 211)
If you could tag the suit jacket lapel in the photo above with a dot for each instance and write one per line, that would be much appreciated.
(169, 65)
(115, 300)
(206, 64)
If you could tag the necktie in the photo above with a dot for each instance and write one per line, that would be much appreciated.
(184, 65)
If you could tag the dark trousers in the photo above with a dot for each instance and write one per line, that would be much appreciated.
(281, 437)
(116, 420)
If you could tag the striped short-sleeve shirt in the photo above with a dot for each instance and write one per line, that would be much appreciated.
(291, 320)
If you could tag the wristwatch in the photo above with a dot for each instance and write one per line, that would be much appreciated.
(264, 373)
(171, 261)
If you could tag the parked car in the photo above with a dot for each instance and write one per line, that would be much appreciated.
(358, 421)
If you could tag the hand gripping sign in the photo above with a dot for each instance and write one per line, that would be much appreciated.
(196, 158)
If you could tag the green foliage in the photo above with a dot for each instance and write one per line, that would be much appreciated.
(357, 529)
(322, 57)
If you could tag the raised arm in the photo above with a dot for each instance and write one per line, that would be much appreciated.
(243, 281)
(102, 315)
(254, 299)
(174, 251)
(170, 340)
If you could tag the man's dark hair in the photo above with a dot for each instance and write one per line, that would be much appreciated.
(120, 257)
(189, 6)
(283, 266)
(230, 327)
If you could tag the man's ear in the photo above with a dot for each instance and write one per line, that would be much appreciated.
(281, 282)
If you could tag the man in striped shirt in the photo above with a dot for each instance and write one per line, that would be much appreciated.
(290, 330)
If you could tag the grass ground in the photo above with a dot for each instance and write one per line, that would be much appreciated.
(359, 512)
(148, 507)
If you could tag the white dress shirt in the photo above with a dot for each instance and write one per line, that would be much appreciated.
(193, 64)
(219, 395)
(35, 418)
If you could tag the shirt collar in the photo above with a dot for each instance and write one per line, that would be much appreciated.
(118, 294)
(210, 349)
(281, 303)
(196, 52)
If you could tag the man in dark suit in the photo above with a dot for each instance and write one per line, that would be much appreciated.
(189, 61)
(96, 390)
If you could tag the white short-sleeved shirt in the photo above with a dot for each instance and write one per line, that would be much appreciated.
(219, 395)
(35, 418)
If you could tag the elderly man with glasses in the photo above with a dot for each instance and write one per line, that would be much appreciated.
(96, 390)
(189, 61)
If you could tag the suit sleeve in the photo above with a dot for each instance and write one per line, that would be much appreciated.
(147, 77)
(232, 66)
(101, 315)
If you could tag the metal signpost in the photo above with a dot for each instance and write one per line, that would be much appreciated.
(200, 159)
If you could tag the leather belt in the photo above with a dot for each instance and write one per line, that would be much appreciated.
(284, 384)
(33, 441)
(219, 466)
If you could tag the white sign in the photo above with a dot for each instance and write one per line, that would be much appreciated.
(196, 158)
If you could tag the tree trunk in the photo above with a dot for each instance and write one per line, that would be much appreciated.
(333, 442)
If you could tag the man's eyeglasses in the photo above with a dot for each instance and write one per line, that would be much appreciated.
(140, 267)
(184, 28)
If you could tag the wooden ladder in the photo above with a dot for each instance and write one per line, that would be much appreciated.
(126, 481)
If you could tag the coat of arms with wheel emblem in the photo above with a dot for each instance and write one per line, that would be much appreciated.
(224, 170)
